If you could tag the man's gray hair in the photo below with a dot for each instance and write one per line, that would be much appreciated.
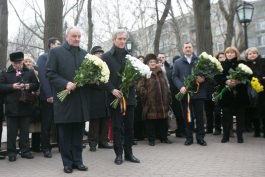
(67, 31)
(119, 31)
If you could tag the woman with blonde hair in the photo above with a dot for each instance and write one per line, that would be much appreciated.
(256, 109)
(234, 102)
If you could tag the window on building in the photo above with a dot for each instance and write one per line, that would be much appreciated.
(260, 26)
(220, 47)
(262, 40)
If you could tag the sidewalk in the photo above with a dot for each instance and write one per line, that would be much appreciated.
(163, 160)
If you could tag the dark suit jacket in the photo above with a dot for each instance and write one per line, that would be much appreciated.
(182, 69)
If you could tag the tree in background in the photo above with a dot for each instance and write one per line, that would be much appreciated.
(53, 25)
(202, 17)
(3, 33)
(160, 22)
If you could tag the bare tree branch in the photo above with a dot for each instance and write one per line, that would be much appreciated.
(80, 6)
(23, 23)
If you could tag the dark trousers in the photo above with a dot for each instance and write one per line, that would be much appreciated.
(228, 114)
(213, 116)
(122, 130)
(70, 142)
(98, 131)
(159, 125)
(196, 109)
(176, 108)
(15, 124)
(46, 124)
(35, 141)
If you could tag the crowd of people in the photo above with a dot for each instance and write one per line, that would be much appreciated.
(29, 102)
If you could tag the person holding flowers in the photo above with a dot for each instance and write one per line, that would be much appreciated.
(156, 98)
(233, 97)
(190, 103)
(122, 123)
(71, 113)
(256, 111)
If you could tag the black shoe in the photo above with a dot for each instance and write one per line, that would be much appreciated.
(167, 141)
(201, 142)
(180, 135)
(209, 132)
(93, 149)
(188, 142)
(81, 167)
(217, 132)
(132, 158)
(257, 135)
(134, 142)
(67, 169)
(151, 143)
(240, 140)
(224, 140)
(12, 158)
(35, 149)
(2, 157)
(27, 155)
(118, 160)
(47, 154)
(105, 146)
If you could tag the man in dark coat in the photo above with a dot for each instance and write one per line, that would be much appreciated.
(71, 114)
(181, 69)
(46, 100)
(98, 123)
(16, 84)
(122, 125)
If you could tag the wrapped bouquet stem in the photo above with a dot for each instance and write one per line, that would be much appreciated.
(92, 70)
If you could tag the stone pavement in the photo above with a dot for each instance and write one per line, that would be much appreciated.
(163, 160)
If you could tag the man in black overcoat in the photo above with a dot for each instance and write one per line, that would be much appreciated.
(16, 84)
(70, 114)
(122, 125)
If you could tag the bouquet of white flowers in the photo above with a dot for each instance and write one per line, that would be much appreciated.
(92, 70)
(241, 74)
(206, 66)
(134, 71)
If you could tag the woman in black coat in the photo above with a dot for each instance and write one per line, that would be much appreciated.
(235, 101)
(256, 110)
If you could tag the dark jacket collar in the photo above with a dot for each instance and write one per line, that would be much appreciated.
(193, 58)
(11, 69)
(113, 50)
(69, 47)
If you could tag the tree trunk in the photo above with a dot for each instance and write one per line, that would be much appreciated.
(202, 17)
(90, 25)
(53, 26)
(229, 17)
(160, 23)
(3, 33)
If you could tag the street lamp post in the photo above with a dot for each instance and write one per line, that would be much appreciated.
(129, 46)
(244, 13)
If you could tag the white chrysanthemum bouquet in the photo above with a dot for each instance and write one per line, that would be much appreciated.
(92, 70)
(206, 66)
(134, 71)
(241, 74)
